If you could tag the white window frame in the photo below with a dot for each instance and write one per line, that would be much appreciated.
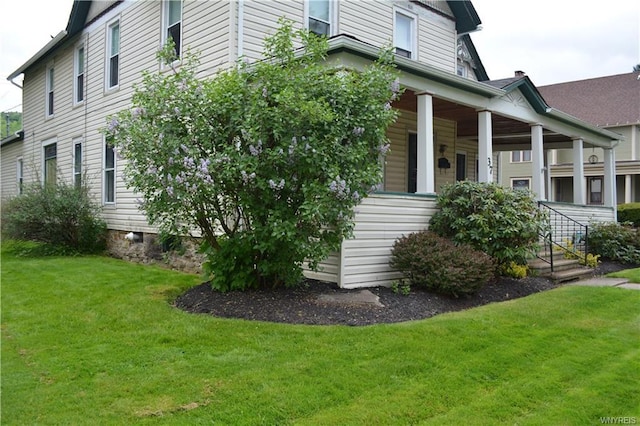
(105, 176)
(49, 99)
(521, 155)
(333, 19)
(20, 175)
(165, 25)
(590, 184)
(461, 69)
(79, 72)
(44, 145)
(414, 32)
(528, 179)
(109, 56)
(76, 166)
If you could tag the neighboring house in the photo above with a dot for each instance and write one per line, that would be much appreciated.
(612, 103)
(451, 125)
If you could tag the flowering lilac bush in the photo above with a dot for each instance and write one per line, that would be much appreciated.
(266, 160)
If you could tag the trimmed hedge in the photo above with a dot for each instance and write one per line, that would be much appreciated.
(615, 241)
(438, 264)
(629, 213)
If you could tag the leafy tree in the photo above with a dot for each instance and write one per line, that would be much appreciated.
(14, 119)
(266, 160)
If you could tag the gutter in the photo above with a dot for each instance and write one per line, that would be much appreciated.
(35, 58)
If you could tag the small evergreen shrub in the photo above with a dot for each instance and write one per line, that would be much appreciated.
(502, 222)
(61, 216)
(629, 213)
(439, 265)
(514, 270)
(615, 241)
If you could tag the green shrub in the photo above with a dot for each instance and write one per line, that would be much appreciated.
(513, 270)
(438, 264)
(629, 213)
(499, 221)
(615, 241)
(61, 215)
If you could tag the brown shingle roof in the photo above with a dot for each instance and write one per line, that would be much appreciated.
(604, 101)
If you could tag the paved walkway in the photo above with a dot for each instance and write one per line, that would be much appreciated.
(607, 282)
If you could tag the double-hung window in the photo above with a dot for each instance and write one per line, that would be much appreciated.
(49, 88)
(109, 194)
(77, 162)
(78, 78)
(113, 54)
(50, 155)
(320, 14)
(404, 34)
(172, 25)
(521, 156)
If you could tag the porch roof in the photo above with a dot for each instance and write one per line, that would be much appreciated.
(516, 104)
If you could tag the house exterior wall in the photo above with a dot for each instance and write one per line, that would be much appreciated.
(212, 29)
(380, 220)
(9, 169)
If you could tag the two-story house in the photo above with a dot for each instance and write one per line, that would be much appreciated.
(452, 120)
(612, 103)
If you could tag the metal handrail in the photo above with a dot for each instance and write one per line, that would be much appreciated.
(564, 233)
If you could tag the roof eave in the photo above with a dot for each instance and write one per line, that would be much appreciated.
(53, 43)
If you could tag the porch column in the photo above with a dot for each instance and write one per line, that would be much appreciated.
(537, 163)
(425, 175)
(628, 189)
(485, 141)
(609, 178)
(579, 190)
(548, 161)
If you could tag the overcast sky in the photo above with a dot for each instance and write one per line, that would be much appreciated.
(552, 41)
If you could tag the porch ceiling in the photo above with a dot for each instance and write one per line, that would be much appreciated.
(508, 134)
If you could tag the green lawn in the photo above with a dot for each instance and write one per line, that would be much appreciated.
(93, 340)
(633, 275)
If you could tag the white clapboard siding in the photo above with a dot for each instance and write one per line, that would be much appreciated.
(584, 215)
(437, 41)
(380, 220)
(261, 19)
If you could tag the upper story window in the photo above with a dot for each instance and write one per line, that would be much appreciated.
(520, 156)
(50, 162)
(461, 69)
(78, 80)
(50, 87)
(172, 24)
(404, 34)
(320, 17)
(113, 54)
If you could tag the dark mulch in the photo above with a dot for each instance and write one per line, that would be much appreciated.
(300, 305)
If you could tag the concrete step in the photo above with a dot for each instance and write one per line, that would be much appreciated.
(571, 274)
(560, 264)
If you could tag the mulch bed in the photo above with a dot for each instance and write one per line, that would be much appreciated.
(300, 305)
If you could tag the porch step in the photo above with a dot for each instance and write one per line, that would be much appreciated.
(543, 268)
(571, 274)
(564, 269)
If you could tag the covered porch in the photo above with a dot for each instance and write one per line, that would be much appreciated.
(451, 128)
